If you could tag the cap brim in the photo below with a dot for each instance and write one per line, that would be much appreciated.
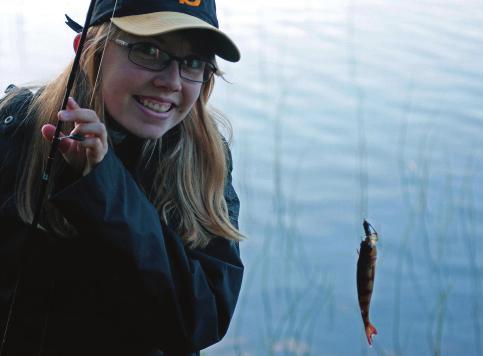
(157, 23)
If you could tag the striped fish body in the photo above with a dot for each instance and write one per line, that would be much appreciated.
(366, 271)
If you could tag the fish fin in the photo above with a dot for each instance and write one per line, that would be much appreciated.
(370, 331)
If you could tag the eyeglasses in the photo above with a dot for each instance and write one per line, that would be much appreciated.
(146, 55)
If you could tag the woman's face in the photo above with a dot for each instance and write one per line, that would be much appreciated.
(147, 103)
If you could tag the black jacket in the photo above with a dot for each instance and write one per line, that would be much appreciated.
(126, 286)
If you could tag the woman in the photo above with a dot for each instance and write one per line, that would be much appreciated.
(137, 247)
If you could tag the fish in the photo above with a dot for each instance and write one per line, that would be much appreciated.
(366, 271)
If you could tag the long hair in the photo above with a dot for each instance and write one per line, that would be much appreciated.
(196, 156)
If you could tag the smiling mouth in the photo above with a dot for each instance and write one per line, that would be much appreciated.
(154, 106)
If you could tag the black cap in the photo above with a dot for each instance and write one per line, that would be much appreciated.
(155, 17)
(202, 9)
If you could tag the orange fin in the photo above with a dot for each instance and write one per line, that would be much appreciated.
(370, 330)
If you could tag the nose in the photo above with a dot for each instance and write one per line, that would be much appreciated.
(169, 77)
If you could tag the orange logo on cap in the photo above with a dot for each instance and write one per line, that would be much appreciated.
(190, 2)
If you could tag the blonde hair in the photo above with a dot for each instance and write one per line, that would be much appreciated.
(196, 156)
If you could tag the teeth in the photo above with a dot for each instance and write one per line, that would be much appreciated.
(155, 106)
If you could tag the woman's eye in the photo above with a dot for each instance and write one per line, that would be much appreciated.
(194, 63)
(149, 55)
(149, 50)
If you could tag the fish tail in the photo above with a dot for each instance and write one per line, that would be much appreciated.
(370, 331)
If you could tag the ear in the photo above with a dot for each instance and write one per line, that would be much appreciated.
(76, 42)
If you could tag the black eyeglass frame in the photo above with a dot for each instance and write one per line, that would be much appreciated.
(212, 68)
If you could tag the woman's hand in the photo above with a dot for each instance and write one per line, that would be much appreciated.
(81, 155)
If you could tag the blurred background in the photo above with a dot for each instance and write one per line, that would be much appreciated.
(341, 110)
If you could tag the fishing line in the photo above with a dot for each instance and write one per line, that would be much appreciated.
(102, 56)
(362, 163)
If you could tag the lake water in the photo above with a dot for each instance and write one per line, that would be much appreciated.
(342, 110)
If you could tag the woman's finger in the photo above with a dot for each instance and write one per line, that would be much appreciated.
(78, 115)
(72, 104)
(94, 143)
(48, 132)
(97, 129)
(95, 152)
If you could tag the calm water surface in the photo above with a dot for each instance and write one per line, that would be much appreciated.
(342, 110)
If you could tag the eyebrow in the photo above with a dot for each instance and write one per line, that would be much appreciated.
(152, 40)
(159, 40)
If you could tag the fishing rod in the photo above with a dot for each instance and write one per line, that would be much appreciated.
(56, 140)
